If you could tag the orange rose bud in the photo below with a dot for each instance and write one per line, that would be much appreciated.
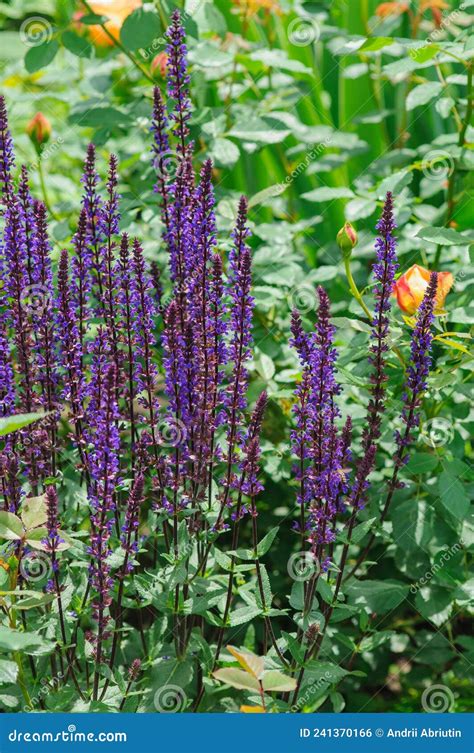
(411, 286)
(347, 239)
(39, 130)
(159, 63)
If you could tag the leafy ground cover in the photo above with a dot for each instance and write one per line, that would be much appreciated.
(248, 492)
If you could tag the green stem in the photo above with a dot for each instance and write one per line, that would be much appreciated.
(354, 289)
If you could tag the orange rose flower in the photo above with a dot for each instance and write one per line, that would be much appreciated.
(116, 12)
(411, 286)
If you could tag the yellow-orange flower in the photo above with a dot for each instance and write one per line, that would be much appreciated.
(116, 12)
(391, 9)
(252, 710)
(252, 7)
(411, 286)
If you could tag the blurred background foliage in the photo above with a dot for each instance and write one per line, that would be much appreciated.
(314, 110)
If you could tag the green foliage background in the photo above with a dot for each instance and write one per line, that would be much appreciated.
(313, 133)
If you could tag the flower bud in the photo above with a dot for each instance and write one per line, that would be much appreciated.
(347, 239)
(39, 130)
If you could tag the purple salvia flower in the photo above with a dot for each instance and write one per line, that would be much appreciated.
(418, 368)
(178, 80)
(7, 384)
(239, 284)
(109, 227)
(384, 273)
(81, 282)
(143, 313)
(7, 159)
(155, 274)
(11, 487)
(92, 204)
(132, 519)
(16, 285)
(26, 202)
(179, 234)
(175, 366)
(42, 311)
(53, 539)
(70, 351)
(250, 466)
(104, 447)
(161, 154)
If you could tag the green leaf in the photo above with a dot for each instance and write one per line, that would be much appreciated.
(79, 46)
(104, 117)
(295, 647)
(30, 643)
(224, 152)
(264, 545)
(274, 681)
(377, 596)
(8, 671)
(434, 604)
(9, 701)
(452, 494)
(422, 94)
(11, 527)
(140, 29)
(14, 423)
(443, 236)
(41, 55)
(244, 614)
(325, 193)
(373, 44)
(237, 678)
(33, 512)
(425, 53)
(422, 462)
(319, 671)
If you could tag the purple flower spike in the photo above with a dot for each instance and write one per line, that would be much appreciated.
(384, 273)
(178, 80)
(7, 159)
(419, 367)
